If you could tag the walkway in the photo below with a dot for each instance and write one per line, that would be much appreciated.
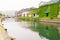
(3, 33)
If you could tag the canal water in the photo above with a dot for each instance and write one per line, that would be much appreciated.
(47, 30)
(20, 30)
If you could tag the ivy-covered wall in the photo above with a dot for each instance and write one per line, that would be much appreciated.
(54, 10)
(51, 9)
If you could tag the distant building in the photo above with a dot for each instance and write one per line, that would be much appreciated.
(23, 12)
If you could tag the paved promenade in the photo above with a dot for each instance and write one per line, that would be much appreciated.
(3, 32)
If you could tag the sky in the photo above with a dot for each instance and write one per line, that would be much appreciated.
(8, 7)
(19, 4)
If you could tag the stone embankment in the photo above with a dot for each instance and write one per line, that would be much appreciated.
(51, 21)
(3, 32)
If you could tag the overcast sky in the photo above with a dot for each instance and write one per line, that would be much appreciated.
(19, 4)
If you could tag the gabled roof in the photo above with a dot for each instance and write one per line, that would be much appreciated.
(49, 2)
(24, 10)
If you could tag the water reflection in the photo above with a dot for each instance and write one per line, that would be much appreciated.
(31, 30)
(48, 31)
(17, 30)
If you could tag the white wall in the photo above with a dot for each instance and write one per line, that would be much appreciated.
(25, 13)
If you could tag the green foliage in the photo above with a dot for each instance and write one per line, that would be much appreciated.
(52, 10)
(28, 18)
(42, 11)
(34, 10)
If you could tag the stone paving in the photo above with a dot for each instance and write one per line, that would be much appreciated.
(3, 32)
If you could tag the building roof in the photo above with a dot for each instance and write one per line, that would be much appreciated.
(49, 2)
(24, 10)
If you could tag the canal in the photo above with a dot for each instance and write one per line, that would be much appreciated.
(32, 30)
(48, 30)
